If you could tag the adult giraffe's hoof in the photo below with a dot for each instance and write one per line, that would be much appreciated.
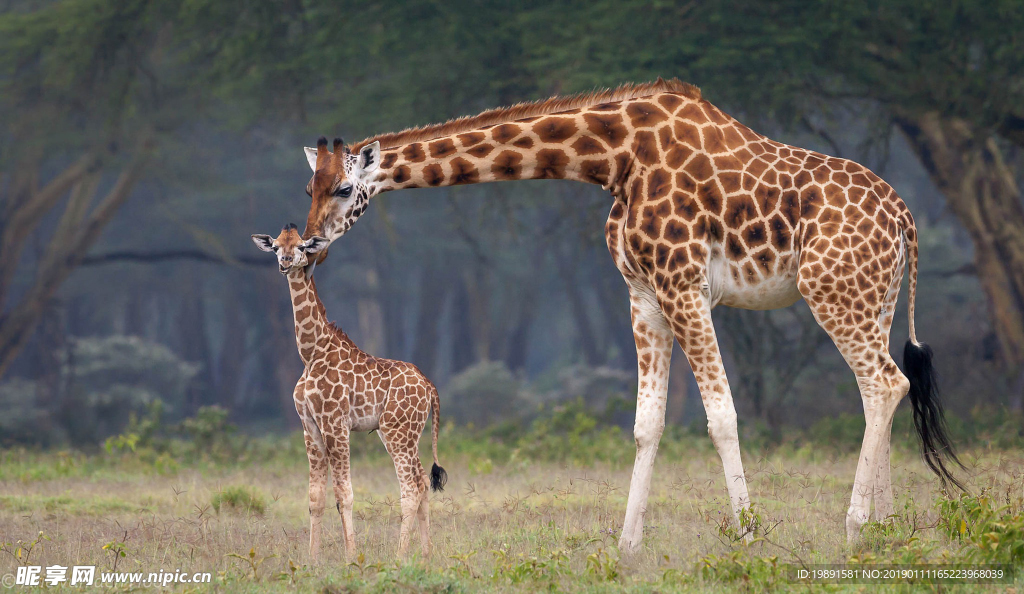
(855, 519)
(629, 546)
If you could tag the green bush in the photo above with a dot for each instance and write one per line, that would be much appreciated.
(23, 419)
(240, 499)
(483, 394)
(742, 570)
(991, 533)
(570, 432)
(109, 378)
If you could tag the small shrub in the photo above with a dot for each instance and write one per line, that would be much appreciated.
(571, 433)
(602, 566)
(485, 393)
(752, 573)
(210, 432)
(991, 533)
(518, 569)
(897, 534)
(239, 498)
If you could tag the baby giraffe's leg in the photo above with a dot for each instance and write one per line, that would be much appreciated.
(413, 489)
(402, 441)
(317, 491)
(424, 511)
(339, 452)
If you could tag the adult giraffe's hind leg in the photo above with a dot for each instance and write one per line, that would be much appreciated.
(854, 306)
(884, 501)
(653, 352)
(883, 496)
(690, 315)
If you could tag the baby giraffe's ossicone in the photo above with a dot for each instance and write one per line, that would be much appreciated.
(343, 389)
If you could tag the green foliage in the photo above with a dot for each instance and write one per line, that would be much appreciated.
(240, 499)
(517, 569)
(741, 569)
(109, 379)
(990, 533)
(570, 432)
(603, 566)
(897, 538)
(210, 431)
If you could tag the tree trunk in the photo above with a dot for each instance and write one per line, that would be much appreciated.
(372, 333)
(432, 291)
(968, 167)
(193, 342)
(463, 353)
(518, 332)
(478, 308)
(232, 353)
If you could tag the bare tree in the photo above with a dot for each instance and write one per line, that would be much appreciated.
(85, 213)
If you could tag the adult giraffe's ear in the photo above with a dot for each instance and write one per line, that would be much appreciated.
(310, 157)
(264, 242)
(369, 158)
(315, 244)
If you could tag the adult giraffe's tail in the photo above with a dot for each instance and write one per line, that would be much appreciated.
(924, 392)
(438, 477)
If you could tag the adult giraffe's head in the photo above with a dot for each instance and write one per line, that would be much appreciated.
(340, 187)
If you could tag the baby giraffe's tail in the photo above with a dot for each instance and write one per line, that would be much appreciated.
(438, 477)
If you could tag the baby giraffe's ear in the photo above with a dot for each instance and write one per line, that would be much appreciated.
(315, 244)
(264, 242)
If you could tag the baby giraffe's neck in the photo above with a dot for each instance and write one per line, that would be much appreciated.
(310, 316)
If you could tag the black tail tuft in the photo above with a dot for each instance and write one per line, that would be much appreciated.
(438, 478)
(928, 416)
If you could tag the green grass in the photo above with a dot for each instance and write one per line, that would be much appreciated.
(537, 509)
(66, 505)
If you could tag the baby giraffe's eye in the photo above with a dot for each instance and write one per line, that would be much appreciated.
(344, 191)
(277, 248)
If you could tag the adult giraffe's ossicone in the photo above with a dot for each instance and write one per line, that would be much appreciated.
(705, 212)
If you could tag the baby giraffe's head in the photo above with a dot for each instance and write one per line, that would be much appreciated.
(290, 248)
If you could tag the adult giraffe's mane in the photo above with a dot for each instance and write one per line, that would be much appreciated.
(530, 109)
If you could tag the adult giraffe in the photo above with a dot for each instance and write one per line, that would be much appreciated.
(705, 212)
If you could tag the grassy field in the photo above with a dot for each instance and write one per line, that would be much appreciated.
(515, 516)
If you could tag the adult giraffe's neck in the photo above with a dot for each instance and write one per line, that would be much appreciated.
(591, 147)
(310, 316)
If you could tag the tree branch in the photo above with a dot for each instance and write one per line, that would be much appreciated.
(170, 256)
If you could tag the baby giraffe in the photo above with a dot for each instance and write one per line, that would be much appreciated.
(343, 389)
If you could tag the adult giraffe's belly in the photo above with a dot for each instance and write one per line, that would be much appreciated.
(746, 285)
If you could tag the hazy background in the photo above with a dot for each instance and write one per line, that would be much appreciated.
(142, 142)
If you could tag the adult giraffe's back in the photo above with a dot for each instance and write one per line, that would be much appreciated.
(705, 211)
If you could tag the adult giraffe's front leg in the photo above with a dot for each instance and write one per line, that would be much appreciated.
(690, 313)
(653, 352)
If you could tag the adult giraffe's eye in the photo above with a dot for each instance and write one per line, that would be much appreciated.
(344, 191)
